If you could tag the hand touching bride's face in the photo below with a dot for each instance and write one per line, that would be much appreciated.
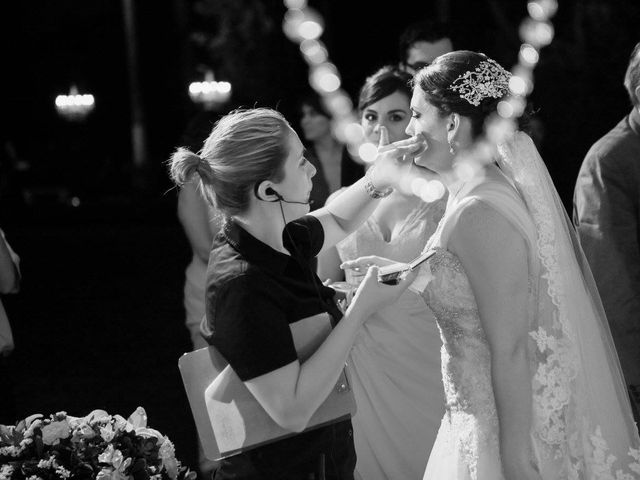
(427, 121)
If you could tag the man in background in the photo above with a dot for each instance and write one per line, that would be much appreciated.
(422, 42)
(606, 214)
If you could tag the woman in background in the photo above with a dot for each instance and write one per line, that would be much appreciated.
(200, 226)
(334, 166)
(395, 360)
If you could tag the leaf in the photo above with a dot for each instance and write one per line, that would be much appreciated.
(96, 415)
(20, 426)
(139, 470)
(39, 445)
(6, 434)
(31, 418)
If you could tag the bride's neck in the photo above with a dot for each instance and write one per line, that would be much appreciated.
(460, 184)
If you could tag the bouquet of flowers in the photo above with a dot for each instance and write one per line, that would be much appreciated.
(99, 446)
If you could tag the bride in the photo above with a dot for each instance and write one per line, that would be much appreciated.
(532, 382)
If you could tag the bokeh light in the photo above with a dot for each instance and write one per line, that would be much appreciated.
(292, 20)
(295, 4)
(74, 106)
(313, 51)
(339, 103)
(468, 168)
(505, 109)
(324, 78)
(304, 26)
(528, 55)
(354, 133)
(433, 190)
(310, 30)
(536, 33)
(417, 185)
(542, 10)
(210, 91)
(500, 129)
(517, 85)
(367, 152)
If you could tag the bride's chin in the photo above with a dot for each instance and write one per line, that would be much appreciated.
(417, 163)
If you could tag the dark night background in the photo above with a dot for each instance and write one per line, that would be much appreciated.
(99, 320)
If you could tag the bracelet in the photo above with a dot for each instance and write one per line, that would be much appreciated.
(372, 191)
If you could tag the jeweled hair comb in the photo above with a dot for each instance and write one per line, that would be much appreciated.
(488, 79)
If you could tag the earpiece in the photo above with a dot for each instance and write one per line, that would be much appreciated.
(271, 191)
(280, 198)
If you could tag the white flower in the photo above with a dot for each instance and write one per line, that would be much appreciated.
(5, 472)
(118, 465)
(115, 458)
(97, 416)
(33, 422)
(11, 451)
(149, 433)
(26, 441)
(107, 432)
(55, 431)
(83, 430)
(44, 464)
(63, 472)
(167, 455)
(120, 424)
(32, 418)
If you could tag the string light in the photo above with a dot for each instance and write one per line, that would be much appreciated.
(209, 92)
(324, 78)
(75, 106)
(304, 25)
(528, 55)
(314, 52)
(536, 32)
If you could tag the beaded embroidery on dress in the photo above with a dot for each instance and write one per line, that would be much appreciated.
(467, 444)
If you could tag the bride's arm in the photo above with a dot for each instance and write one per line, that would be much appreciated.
(494, 256)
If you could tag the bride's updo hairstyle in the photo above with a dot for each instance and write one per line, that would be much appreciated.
(464, 82)
(244, 148)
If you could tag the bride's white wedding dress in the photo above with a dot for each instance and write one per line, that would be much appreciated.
(582, 425)
(467, 443)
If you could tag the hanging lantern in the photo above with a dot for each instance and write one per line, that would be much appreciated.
(209, 92)
(75, 107)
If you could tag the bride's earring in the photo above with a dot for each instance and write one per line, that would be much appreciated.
(452, 130)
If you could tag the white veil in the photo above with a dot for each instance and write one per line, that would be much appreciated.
(583, 427)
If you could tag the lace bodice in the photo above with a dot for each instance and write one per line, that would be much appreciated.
(465, 354)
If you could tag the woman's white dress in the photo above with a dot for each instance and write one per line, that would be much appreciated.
(395, 362)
